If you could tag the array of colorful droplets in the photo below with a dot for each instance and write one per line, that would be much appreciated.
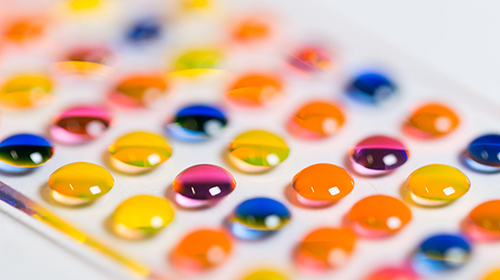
(322, 184)
(483, 222)
(25, 29)
(483, 154)
(310, 59)
(316, 120)
(140, 90)
(441, 253)
(257, 151)
(371, 88)
(144, 30)
(195, 62)
(26, 91)
(202, 250)
(251, 30)
(325, 248)
(430, 121)
(257, 218)
(256, 90)
(379, 216)
(141, 216)
(437, 185)
(265, 274)
(197, 123)
(80, 124)
(94, 60)
(138, 152)
(377, 155)
(202, 185)
(22, 152)
(80, 183)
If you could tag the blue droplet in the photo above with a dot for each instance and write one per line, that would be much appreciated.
(483, 154)
(145, 30)
(258, 217)
(20, 152)
(371, 88)
(197, 123)
(441, 253)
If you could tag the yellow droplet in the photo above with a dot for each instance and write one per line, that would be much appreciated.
(80, 182)
(437, 184)
(26, 91)
(139, 151)
(142, 216)
(265, 274)
(257, 151)
(196, 62)
(79, 5)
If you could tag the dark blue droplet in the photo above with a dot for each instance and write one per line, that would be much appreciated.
(371, 88)
(483, 154)
(22, 151)
(197, 123)
(441, 253)
(145, 30)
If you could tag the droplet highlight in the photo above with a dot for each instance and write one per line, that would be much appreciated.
(378, 155)
(141, 216)
(437, 185)
(197, 123)
(139, 152)
(80, 183)
(202, 185)
(257, 151)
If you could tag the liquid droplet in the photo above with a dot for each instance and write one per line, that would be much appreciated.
(141, 90)
(371, 88)
(26, 91)
(431, 121)
(482, 154)
(20, 152)
(316, 120)
(255, 90)
(310, 59)
(195, 62)
(483, 222)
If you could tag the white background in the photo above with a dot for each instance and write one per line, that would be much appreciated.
(459, 38)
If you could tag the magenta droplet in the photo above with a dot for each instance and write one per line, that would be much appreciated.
(80, 124)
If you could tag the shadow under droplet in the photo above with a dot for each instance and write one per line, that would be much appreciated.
(46, 194)
(170, 194)
(291, 196)
(348, 166)
(17, 174)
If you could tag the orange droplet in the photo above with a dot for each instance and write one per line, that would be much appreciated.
(315, 120)
(431, 120)
(255, 90)
(379, 215)
(25, 29)
(484, 221)
(393, 273)
(201, 250)
(325, 248)
(251, 30)
(139, 90)
(322, 183)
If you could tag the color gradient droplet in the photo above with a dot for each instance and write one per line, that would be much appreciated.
(202, 184)
(371, 88)
(195, 62)
(20, 152)
(378, 155)
(257, 151)
(139, 151)
(80, 124)
(197, 123)
(483, 222)
(321, 184)
(79, 183)
(315, 120)
(437, 184)
(310, 59)
(26, 91)
(379, 216)
(483, 154)
(90, 60)
(141, 216)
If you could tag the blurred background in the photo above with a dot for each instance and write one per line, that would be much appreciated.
(458, 38)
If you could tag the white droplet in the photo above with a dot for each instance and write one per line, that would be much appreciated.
(337, 257)
(334, 191)
(94, 189)
(272, 221)
(273, 159)
(215, 254)
(214, 191)
(449, 190)
(212, 127)
(154, 159)
(390, 159)
(156, 222)
(329, 125)
(455, 256)
(36, 157)
(393, 222)
(95, 128)
(442, 124)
